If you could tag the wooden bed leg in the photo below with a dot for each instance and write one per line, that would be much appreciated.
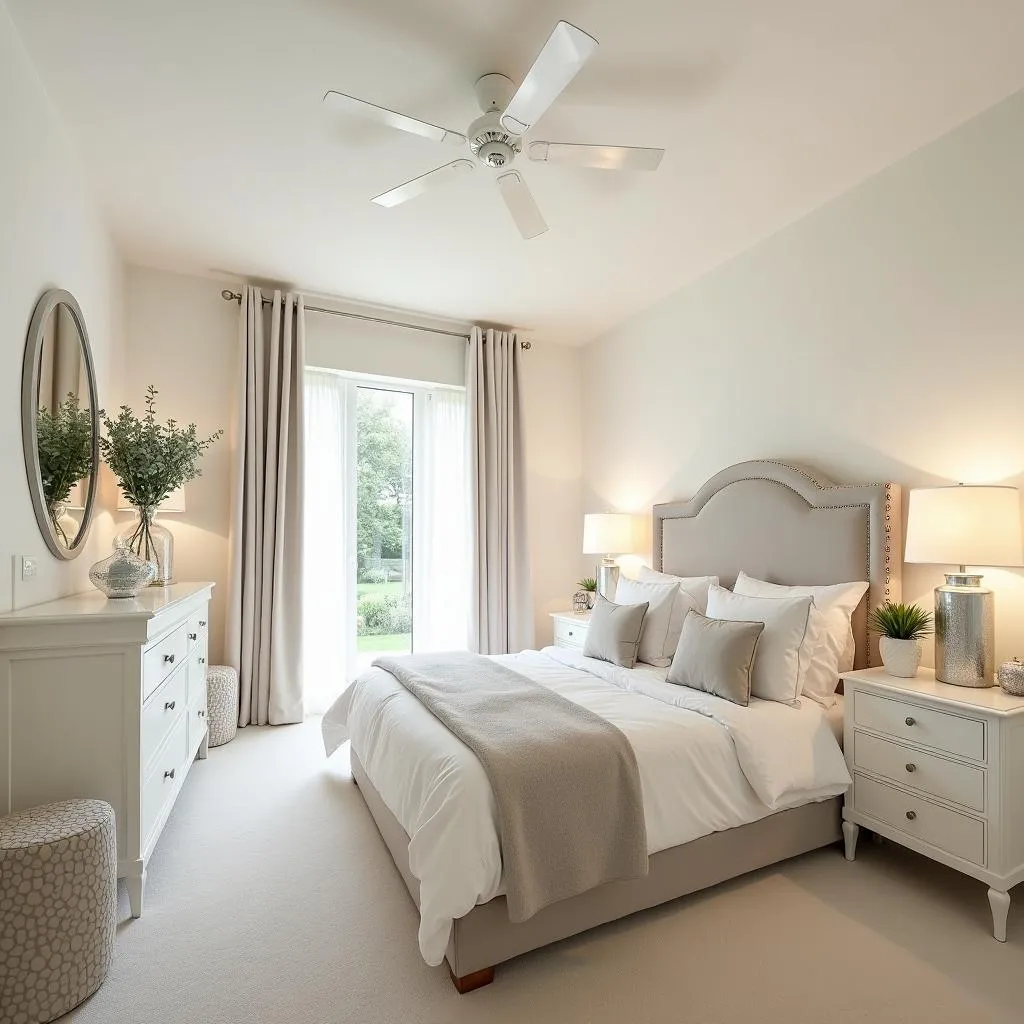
(474, 980)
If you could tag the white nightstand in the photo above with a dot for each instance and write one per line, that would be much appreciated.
(570, 628)
(938, 769)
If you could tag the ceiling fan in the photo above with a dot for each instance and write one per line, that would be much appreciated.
(497, 138)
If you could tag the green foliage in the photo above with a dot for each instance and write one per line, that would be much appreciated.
(587, 583)
(901, 621)
(375, 576)
(64, 443)
(383, 614)
(383, 481)
(151, 459)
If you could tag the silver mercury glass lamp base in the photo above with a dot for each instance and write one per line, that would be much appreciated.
(964, 631)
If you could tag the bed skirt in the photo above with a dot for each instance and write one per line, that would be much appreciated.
(485, 936)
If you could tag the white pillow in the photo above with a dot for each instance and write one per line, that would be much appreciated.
(837, 647)
(783, 653)
(664, 620)
(696, 586)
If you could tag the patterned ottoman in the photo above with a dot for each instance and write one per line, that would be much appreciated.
(221, 704)
(58, 907)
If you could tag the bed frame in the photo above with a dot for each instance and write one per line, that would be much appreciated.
(780, 523)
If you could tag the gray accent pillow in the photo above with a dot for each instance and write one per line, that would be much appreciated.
(716, 656)
(613, 633)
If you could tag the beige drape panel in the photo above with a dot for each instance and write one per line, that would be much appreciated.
(264, 631)
(501, 617)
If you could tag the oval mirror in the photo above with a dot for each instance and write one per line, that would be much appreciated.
(60, 422)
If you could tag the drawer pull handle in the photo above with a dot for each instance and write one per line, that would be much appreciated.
(571, 633)
(910, 721)
(193, 636)
(202, 661)
(202, 622)
(911, 767)
(169, 774)
(911, 815)
(201, 714)
(169, 658)
(169, 705)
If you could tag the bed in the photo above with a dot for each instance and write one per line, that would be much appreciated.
(749, 800)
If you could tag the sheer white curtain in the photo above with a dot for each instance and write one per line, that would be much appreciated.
(328, 525)
(442, 549)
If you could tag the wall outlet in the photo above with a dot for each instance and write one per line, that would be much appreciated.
(28, 567)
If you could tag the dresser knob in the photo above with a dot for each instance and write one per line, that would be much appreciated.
(202, 661)
(911, 767)
(169, 705)
(911, 815)
(910, 721)
(169, 658)
(571, 633)
(202, 622)
(169, 774)
(193, 636)
(201, 714)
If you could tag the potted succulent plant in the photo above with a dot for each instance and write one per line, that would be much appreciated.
(589, 584)
(900, 628)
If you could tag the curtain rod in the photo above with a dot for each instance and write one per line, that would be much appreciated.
(230, 296)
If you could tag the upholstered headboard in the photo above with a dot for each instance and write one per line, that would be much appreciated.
(786, 525)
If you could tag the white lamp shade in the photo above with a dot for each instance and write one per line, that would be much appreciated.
(964, 526)
(609, 533)
(174, 502)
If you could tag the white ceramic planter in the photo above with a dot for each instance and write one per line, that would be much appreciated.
(900, 657)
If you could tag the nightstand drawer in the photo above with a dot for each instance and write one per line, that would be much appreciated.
(938, 776)
(951, 733)
(958, 834)
(569, 633)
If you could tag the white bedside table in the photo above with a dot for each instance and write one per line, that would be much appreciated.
(938, 769)
(570, 628)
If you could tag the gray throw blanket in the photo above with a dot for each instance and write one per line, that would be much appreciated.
(565, 780)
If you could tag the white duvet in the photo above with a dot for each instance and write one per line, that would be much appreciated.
(705, 765)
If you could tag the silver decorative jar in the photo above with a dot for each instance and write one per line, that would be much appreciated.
(122, 574)
(964, 631)
(1011, 677)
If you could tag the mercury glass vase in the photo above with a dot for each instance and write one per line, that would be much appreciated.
(151, 542)
(122, 574)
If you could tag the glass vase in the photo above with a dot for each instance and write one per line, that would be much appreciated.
(65, 525)
(150, 541)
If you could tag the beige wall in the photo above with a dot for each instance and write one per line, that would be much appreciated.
(51, 236)
(880, 338)
(182, 337)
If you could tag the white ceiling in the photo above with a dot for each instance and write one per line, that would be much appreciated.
(201, 124)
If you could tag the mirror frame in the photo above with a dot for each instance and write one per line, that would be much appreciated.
(47, 303)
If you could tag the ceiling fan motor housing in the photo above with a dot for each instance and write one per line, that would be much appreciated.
(490, 143)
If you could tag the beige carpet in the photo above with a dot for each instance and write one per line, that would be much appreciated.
(271, 899)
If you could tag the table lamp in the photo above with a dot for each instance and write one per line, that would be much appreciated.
(964, 525)
(608, 534)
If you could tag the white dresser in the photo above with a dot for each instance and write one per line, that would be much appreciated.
(938, 769)
(570, 629)
(106, 699)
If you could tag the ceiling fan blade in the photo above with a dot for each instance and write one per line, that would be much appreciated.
(521, 204)
(608, 158)
(568, 48)
(432, 179)
(404, 123)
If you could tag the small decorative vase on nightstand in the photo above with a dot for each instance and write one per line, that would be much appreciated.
(900, 657)
(1011, 677)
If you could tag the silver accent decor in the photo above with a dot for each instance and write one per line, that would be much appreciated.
(607, 578)
(964, 631)
(1011, 677)
(122, 574)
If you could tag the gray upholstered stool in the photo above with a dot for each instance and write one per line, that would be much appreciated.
(221, 704)
(58, 907)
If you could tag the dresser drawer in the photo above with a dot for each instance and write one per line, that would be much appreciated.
(569, 633)
(956, 833)
(197, 624)
(161, 783)
(160, 659)
(161, 712)
(951, 733)
(950, 780)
